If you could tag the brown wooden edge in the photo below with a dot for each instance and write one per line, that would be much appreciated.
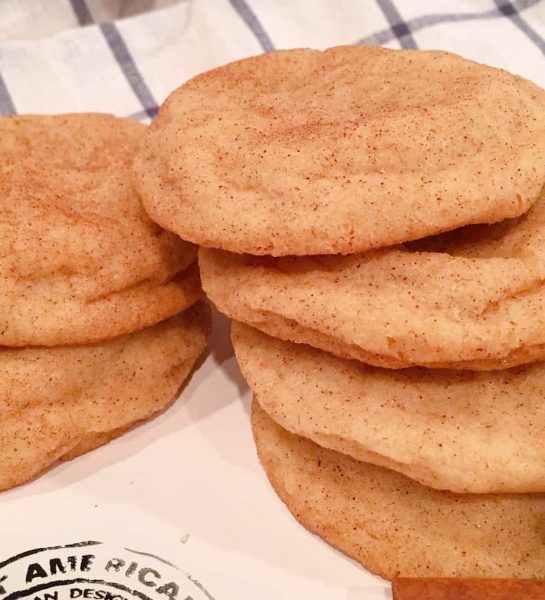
(408, 588)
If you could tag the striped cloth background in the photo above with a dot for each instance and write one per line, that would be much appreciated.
(124, 56)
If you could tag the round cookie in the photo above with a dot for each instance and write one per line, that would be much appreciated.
(471, 299)
(80, 261)
(394, 526)
(454, 430)
(58, 403)
(304, 152)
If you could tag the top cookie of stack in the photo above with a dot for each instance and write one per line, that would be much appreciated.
(304, 152)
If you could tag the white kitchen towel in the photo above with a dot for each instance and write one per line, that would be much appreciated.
(69, 55)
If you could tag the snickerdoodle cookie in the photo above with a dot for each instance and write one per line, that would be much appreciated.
(57, 403)
(471, 299)
(395, 526)
(456, 430)
(303, 152)
(80, 260)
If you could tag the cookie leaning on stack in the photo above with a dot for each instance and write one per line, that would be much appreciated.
(325, 160)
(89, 290)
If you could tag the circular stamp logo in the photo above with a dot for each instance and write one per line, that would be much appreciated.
(92, 570)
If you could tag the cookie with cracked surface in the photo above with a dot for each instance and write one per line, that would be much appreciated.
(470, 299)
(302, 152)
(80, 260)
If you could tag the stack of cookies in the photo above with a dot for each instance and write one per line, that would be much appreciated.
(399, 405)
(92, 331)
